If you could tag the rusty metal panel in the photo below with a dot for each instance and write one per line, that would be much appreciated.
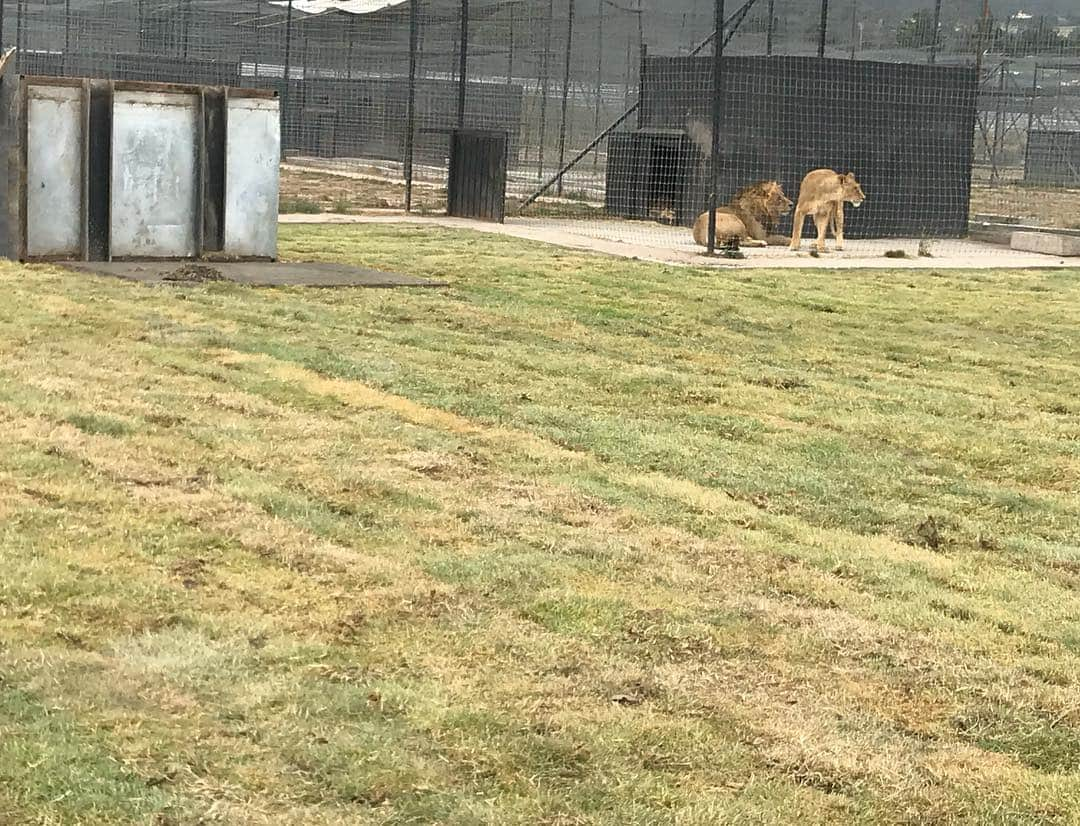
(155, 196)
(54, 170)
(252, 158)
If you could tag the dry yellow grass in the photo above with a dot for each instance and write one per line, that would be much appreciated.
(572, 541)
(1029, 205)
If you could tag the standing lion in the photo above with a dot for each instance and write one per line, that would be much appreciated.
(822, 195)
(750, 217)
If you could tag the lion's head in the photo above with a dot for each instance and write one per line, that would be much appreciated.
(852, 190)
(765, 200)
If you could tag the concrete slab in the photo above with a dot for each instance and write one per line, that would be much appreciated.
(1046, 243)
(254, 274)
(655, 243)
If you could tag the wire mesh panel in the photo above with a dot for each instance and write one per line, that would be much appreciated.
(953, 115)
(903, 97)
(1052, 158)
(904, 129)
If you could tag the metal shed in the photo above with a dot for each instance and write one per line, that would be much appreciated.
(104, 170)
(1053, 158)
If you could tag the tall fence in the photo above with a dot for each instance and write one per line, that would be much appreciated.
(607, 104)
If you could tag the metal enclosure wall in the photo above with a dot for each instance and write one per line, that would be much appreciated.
(54, 171)
(906, 130)
(154, 206)
(252, 158)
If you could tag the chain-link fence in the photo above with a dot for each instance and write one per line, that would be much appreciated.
(952, 114)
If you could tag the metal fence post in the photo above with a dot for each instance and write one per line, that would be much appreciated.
(980, 43)
(823, 28)
(187, 28)
(285, 76)
(1000, 126)
(410, 106)
(351, 35)
(643, 55)
(257, 29)
(1031, 105)
(565, 94)
(510, 48)
(19, 8)
(937, 27)
(717, 120)
(769, 30)
(640, 35)
(67, 35)
(463, 63)
(544, 77)
(599, 76)
(854, 15)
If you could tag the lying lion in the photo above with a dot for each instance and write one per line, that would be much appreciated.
(750, 217)
(822, 195)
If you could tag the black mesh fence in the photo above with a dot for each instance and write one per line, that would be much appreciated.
(949, 114)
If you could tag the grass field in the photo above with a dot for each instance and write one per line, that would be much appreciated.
(575, 541)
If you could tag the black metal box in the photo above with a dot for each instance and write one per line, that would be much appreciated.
(477, 180)
(654, 173)
(1052, 158)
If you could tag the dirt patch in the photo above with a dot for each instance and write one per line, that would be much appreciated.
(928, 534)
(327, 192)
(193, 274)
(779, 382)
(190, 571)
(254, 274)
(356, 189)
(1045, 207)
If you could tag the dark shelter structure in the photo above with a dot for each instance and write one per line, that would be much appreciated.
(905, 130)
(1052, 158)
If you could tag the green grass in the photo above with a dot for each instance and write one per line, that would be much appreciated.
(299, 206)
(574, 541)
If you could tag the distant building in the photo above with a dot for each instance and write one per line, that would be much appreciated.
(1017, 22)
